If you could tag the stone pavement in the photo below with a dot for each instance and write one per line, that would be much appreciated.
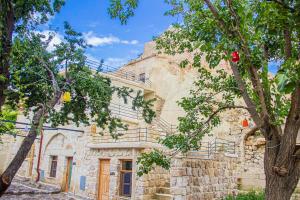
(25, 189)
(61, 196)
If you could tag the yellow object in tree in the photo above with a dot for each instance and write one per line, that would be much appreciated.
(93, 129)
(67, 97)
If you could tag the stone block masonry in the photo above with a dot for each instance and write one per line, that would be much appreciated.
(203, 179)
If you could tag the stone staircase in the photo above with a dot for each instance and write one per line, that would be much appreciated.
(163, 126)
(163, 193)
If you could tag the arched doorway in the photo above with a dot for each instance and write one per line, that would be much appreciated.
(58, 155)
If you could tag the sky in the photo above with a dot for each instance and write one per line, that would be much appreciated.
(115, 43)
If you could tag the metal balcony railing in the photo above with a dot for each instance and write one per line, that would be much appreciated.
(165, 126)
(132, 135)
(208, 149)
(118, 72)
(124, 111)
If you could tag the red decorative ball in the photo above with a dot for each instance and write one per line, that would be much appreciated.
(235, 56)
(245, 123)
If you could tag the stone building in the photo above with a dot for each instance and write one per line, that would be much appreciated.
(98, 167)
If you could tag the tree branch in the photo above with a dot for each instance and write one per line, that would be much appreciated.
(288, 43)
(224, 108)
(291, 129)
(253, 71)
(257, 85)
(251, 132)
(245, 95)
(218, 18)
(56, 89)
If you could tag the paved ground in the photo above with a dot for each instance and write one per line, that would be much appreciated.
(25, 189)
(39, 197)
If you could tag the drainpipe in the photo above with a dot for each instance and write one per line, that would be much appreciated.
(39, 157)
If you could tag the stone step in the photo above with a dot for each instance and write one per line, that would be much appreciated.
(163, 190)
(159, 196)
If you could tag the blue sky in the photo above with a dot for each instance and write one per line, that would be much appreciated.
(115, 43)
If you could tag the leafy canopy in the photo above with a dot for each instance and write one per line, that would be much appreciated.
(40, 77)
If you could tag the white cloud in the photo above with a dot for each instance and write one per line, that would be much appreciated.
(56, 38)
(94, 40)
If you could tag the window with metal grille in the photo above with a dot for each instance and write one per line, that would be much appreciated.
(53, 166)
(126, 178)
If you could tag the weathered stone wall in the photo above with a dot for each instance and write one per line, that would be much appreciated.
(252, 176)
(143, 187)
(203, 179)
(148, 184)
(90, 169)
(6, 143)
(252, 169)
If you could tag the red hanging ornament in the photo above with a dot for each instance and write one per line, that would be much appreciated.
(235, 56)
(245, 123)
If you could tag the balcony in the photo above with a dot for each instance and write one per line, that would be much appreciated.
(119, 72)
(125, 113)
(131, 138)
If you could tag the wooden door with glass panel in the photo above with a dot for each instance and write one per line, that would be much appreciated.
(126, 178)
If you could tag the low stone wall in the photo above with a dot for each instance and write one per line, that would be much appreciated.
(203, 179)
(148, 184)
(252, 176)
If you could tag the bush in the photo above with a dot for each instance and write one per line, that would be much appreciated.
(247, 196)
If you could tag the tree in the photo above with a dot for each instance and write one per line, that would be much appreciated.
(260, 32)
(18, 16)
(38, 81)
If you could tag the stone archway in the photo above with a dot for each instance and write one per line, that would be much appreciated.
(59, 146)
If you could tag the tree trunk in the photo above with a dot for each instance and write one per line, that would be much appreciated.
(278, 186)
(8, 175)
(6, 32)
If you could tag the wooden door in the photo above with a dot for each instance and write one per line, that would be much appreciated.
(104, 173)
(68, 173)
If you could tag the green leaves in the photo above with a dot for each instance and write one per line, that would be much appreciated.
(140, 102)
(122, 9)
(7, 113)
(288, 76)
(39, 75)
(283, 83)
(147, 161)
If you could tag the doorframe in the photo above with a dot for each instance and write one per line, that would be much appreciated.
(99, 175)
(69, 164)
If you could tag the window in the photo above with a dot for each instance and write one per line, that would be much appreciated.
(126, 178)
(142, 77)
(53, 166)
